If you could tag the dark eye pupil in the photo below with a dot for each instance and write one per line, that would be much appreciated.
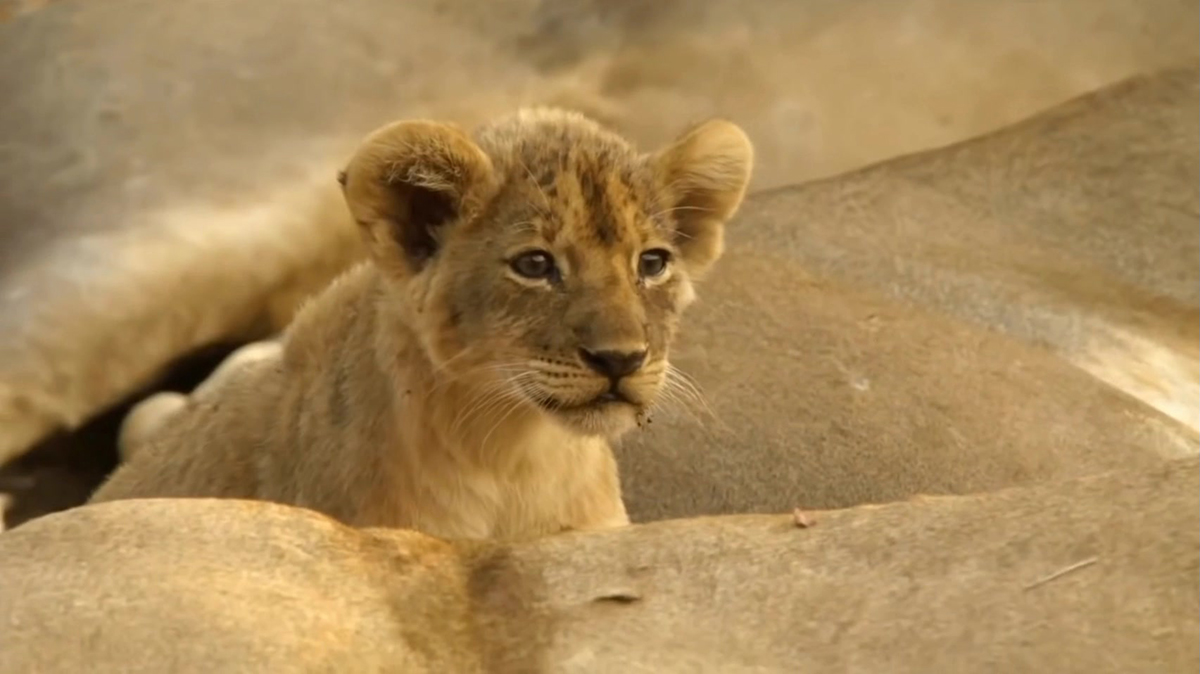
(652, 263)
(534, 265)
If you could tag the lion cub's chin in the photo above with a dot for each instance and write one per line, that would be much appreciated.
(601, 419)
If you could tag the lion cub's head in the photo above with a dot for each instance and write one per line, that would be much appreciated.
(545, 260)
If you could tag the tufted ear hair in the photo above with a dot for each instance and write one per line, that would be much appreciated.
(704, 174)
(410, 181)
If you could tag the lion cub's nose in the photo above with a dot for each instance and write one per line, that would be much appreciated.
(614, 364)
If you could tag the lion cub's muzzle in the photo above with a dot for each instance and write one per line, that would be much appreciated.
(623, 378)
(606, 392)
(614, 364)
(619, 370)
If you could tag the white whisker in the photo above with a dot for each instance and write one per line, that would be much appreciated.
(673, 209)
(690, 389)
(680, 393)
(545, 199)
(517, 401)
(483, 398)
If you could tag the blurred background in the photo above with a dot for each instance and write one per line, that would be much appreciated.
(132, 130)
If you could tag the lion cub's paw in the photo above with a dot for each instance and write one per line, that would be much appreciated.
(145, 419)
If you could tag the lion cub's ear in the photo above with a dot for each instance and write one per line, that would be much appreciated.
(705, 173)
(407, 183)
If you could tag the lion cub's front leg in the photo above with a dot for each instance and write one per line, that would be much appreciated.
(601, 506)
(617, 519)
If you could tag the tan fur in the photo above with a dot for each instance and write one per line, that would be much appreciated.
(1075, 229)
(149, 415)
(153, 196)
(1089, 575)
(440, 388)
(156, 271)
(944, 322)
(807, 389)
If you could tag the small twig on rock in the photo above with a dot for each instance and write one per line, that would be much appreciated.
(620, 597)
(802, 519)
(1062, 572)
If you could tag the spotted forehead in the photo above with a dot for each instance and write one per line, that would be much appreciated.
(582, 190)
(592, 200)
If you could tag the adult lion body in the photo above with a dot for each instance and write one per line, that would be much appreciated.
(1093, 574)
(517, 309)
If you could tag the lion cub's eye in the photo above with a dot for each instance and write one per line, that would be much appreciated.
(653, 262)
(534, 264)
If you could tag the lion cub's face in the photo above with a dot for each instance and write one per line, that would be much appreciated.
(546, 261)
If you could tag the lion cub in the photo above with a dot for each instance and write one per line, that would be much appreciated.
(522, 288)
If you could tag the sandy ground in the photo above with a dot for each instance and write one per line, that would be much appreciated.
(140, 104)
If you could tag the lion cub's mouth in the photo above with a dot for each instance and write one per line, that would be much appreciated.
(607, 399)
(610, 413)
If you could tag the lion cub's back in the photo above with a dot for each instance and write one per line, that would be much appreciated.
(212, 447)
